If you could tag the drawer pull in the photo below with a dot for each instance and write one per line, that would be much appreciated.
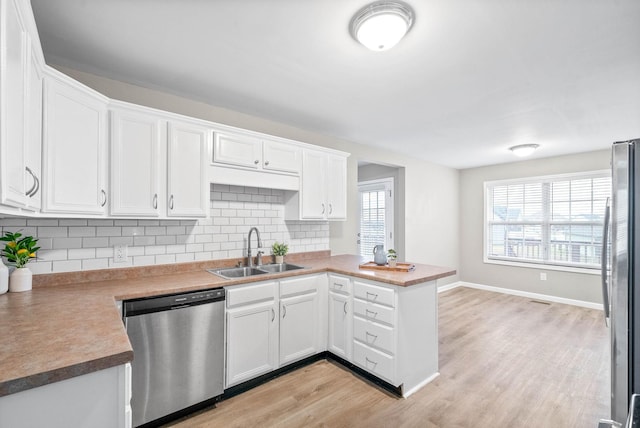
(375, 314)
(337, 284)
(372, 335)
(375, 296)
(369, 361)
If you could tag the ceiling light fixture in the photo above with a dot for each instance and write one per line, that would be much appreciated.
(381, 25)
(524, 149)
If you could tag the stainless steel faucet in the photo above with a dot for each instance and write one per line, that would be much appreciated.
(249, 258)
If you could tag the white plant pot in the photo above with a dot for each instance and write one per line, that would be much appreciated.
(392, 263)
(279, 259)
(20, 280)
(4, 278)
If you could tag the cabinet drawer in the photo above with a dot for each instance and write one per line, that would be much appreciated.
(374, 361)
(373, 293)
(340, 284)
(298, 285)
(240, 295)
(374, 312)
(373, 334)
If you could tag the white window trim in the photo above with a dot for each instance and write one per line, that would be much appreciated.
(533, 264)
(386, 184)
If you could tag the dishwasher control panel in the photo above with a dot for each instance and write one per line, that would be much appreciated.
(174, 301)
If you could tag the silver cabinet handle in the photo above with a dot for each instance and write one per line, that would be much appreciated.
(37, 186)
(330, 208)
(369, 361)
(273, 314)
(337, 284)
(322, 208)
(284, 310)
(345, 308)
(256, 161)
(35, 182)
(375, 296)
(155, 201)
(372, 335)
(266, 163)
(104, 198)
(171, 202)
(371, 312)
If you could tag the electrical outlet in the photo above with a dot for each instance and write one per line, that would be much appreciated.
(119, 253)
(543, 276)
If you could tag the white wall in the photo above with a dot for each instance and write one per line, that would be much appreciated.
(431, 206)
(577, 286)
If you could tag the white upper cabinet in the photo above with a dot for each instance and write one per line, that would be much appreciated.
(336, 187)
(74, 148)
(20, 109)
(188, 189)
(323, 188)
(137, 142)
(256, 153)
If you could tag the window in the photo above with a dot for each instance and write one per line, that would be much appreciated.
(376, 215)
(553, 220)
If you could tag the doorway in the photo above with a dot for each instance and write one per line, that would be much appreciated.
(375, 198)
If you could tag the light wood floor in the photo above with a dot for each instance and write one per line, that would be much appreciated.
(505, 361)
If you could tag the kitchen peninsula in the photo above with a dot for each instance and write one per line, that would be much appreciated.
(69, 328)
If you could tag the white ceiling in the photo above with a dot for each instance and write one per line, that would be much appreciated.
(472, 78)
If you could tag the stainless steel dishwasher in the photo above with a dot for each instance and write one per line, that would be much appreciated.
(178, 352)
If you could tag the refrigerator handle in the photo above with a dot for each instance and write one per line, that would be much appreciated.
(604, 263)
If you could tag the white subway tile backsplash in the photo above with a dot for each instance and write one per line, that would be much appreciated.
(86, 244)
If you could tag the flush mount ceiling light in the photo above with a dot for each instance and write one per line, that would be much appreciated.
(524, 149)
(381, 25)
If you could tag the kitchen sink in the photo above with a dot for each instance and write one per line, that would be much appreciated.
(243, 272)
(238, 272)
(280, 267)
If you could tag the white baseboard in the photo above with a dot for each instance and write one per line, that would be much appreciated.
(415, 389)
(536, 296)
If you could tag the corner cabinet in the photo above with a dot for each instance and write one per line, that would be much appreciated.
(74, 147)
(188, 184)
(323, 188)
(20, 109)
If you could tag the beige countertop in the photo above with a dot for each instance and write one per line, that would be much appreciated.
(68, 325)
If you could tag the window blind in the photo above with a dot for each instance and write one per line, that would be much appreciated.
(547, 220)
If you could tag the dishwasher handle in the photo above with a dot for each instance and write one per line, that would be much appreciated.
(149, 305)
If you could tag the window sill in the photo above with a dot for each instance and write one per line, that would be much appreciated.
(542, 266)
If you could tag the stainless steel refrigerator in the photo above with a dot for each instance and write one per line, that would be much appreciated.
(621, 290)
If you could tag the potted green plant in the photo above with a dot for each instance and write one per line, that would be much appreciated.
(279, 250)
(19, 251)
(392, 257)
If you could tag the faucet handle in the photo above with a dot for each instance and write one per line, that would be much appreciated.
(259, 258)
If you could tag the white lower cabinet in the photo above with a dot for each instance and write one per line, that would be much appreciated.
(388, 331)
(99, 400)
(252, 331)
(301, 320)
(340, 338)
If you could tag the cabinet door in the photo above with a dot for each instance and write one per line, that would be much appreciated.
(187, 174)
(33, 149)
(282, 157)
(74, 148)
(252, 342)
(136, 142)
(13, 73)
(337, 188)
(340, 325)
(236, 149)
(299, 324)
(313, 187)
